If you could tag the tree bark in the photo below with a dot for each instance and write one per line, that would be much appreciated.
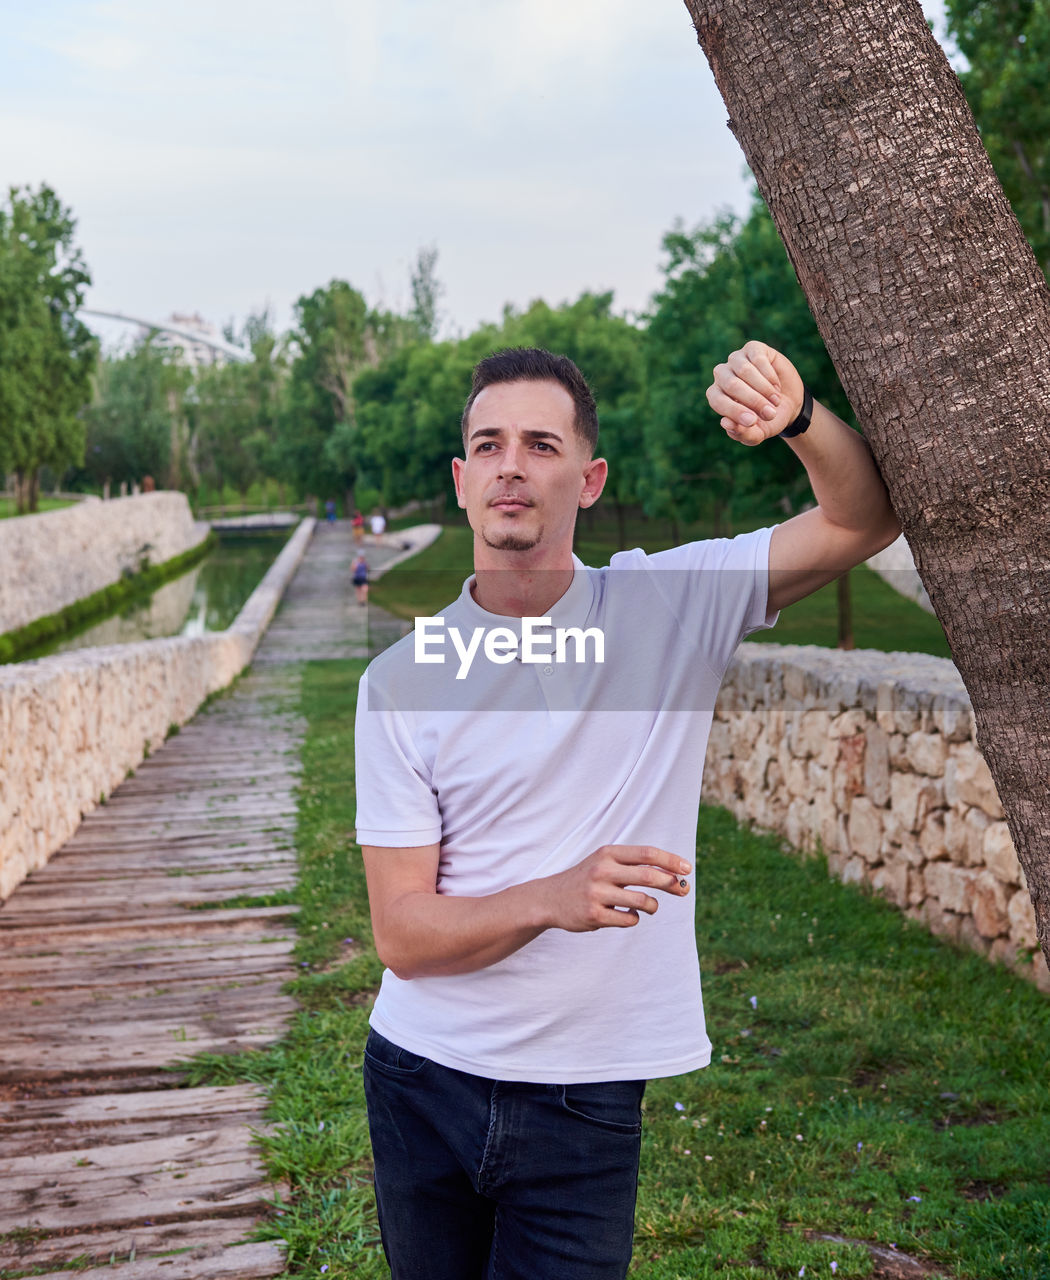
(937, 318)
(844, 609)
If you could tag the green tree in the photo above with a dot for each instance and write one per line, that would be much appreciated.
(725, 282)
(1007, 45)
(237, 410)
(47, 355)
(335, 338)
(134, 417)
(426, 294)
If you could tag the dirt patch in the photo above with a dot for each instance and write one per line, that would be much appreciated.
(887, 1263)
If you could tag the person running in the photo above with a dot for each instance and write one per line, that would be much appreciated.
(359, 572)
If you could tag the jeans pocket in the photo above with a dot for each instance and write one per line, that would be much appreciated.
(614, 1104)
(386, 1056)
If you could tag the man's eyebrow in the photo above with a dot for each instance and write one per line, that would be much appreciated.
(537, 433)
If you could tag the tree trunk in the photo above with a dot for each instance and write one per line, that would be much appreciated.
(845, 611)
(621, 525)
(937, 318)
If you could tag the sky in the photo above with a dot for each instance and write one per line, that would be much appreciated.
(222, 156)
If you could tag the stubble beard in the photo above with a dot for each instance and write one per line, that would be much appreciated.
(510, 541)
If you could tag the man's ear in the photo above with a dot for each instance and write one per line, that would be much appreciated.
(457, 477)
(594, 477)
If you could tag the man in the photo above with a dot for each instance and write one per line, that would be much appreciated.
(528, 823)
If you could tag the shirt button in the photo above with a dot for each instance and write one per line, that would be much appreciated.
(548, 671)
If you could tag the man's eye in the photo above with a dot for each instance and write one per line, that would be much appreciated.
(542, 444)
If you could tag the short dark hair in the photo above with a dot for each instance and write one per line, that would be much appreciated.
(533, 364)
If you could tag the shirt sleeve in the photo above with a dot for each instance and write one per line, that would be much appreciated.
(396, 803)
(718, 589)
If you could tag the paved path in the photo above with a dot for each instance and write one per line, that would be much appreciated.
(110, 971)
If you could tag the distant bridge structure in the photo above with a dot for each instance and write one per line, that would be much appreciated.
(228, 349)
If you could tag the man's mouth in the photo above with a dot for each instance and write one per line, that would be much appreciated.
(509, 502)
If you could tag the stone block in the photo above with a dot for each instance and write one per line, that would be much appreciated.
(1021, 915)
(897, 749)
(945, 924)
(891, 880)
(849, 723)
(999, 855)
(865, 829)
(953, 716)
(877, 766)
(912, 797)
(916, 887)
(967, 780)
(1040, 973)
(952, 886)
(931, 838)
(970, 936)
(855, 871)
(989, 905)
(926, 753)
(811, 733)
(847, 778)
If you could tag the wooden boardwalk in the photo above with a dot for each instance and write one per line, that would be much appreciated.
(111, 970)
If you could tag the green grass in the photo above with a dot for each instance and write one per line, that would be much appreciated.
(882, 618)
(908, 1068)
(8, 509)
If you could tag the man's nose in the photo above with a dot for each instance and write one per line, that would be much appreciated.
(513, 461)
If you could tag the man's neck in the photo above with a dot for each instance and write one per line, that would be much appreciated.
(515, 584)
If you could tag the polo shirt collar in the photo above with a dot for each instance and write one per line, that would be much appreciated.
(571, 609)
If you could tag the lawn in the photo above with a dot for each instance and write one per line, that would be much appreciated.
(882, 618)
(869, 1081)
(7, 506)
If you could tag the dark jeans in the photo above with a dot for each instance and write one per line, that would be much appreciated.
(481, 1179)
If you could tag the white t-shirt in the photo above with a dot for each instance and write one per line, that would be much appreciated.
(378, 524)
(520, 769)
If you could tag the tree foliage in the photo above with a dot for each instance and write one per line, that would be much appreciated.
(724, 282)
(1007, 45)
(133, 418)
(47, 355)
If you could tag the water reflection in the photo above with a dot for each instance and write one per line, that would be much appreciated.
(206, 598)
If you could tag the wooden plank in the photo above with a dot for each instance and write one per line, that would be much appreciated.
(48, 967)
(75, 977)
(142, 1239)
(235, 1262)
(106, 1108)
(64, 1062)
(224, 1144)
(183, 924)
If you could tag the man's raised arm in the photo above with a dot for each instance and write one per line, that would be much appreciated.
(757, 393)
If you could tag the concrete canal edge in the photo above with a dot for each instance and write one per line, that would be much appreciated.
(73, 725)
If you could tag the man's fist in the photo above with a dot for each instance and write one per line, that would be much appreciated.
(757, 393)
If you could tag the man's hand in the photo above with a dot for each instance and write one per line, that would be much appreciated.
(757, 393)
(594, 893)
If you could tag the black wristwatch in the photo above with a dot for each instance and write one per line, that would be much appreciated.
(801, 423)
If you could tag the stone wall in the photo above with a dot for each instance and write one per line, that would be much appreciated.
(50, 560)
(72, 725)
(872, 758)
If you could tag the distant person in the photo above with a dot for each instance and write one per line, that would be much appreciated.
(329, 510)
(148, 485)
(359, 571)
(378, 524)
(358, 526)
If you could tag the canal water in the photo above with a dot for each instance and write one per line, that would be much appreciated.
(205, 598)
